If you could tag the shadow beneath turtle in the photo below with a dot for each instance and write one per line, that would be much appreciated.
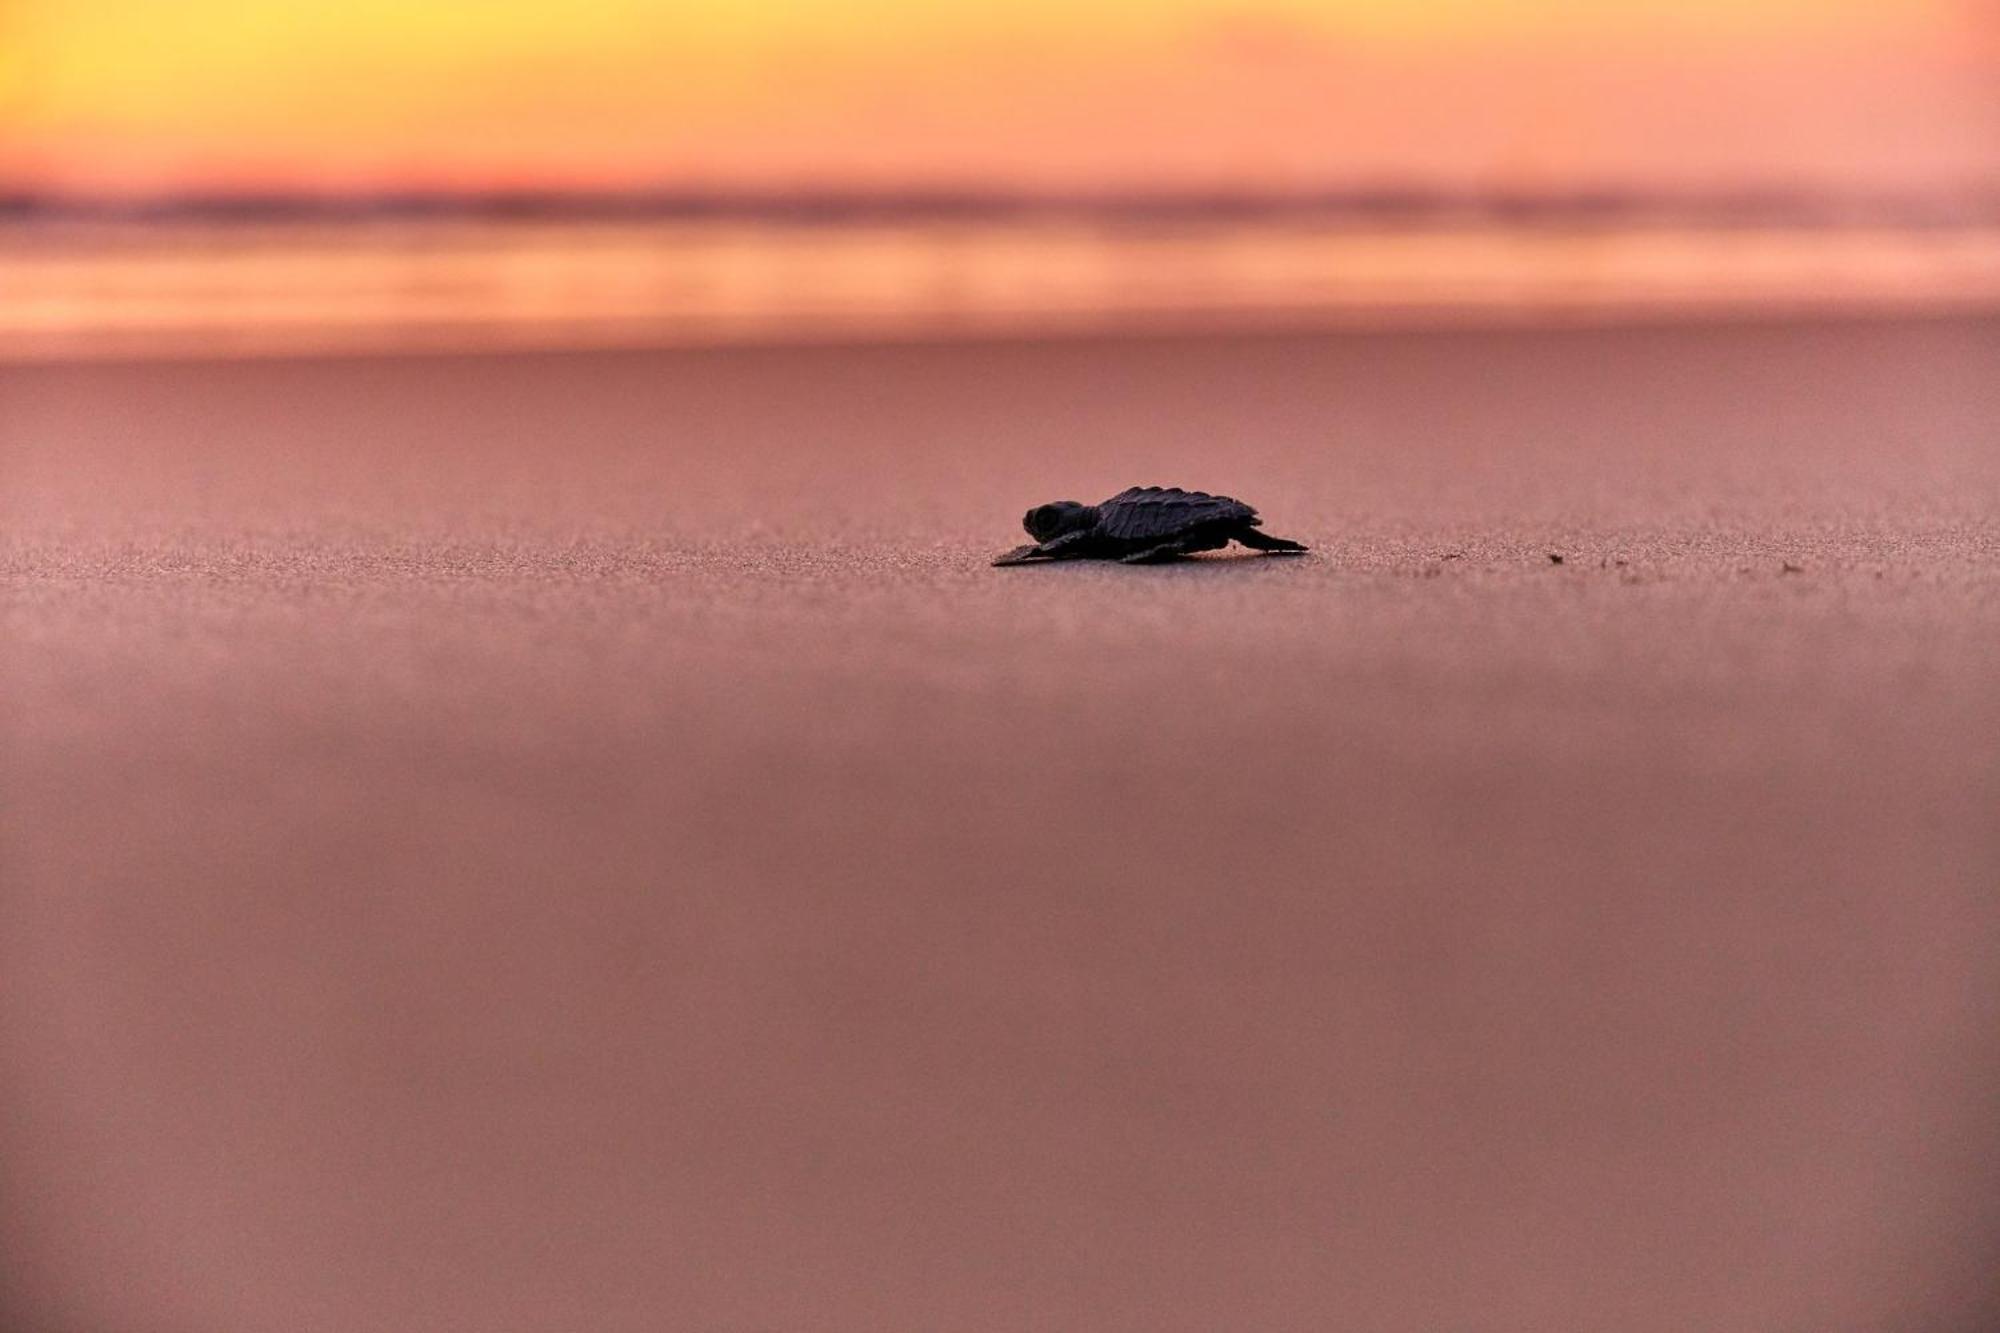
(1209, 561)
(1245, 565)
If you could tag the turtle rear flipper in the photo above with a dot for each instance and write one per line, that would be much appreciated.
(1156, 555)
(1264, 541)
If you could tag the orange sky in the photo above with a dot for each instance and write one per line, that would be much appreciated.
(139, 95)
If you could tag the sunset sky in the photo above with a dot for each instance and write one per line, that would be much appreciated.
(140, 96)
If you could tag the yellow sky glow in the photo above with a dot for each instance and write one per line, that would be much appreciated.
(136, 95)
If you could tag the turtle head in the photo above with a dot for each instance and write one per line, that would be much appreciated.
(1049, 521)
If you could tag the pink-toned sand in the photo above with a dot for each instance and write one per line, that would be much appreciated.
(585, 842)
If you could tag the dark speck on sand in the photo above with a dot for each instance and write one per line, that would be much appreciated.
(585, 842)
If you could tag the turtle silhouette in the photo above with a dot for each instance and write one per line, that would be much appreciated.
(1142, 525)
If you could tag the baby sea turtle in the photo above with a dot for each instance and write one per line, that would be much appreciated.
(1141, 525)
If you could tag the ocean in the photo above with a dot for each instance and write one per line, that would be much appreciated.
(302, 285)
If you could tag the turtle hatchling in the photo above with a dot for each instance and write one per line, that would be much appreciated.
(1143, 525)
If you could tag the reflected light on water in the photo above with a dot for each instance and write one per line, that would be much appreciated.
(124, 288)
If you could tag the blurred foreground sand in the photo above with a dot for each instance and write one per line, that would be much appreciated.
(585, 842)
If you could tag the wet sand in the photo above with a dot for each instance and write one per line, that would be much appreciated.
(586, 842)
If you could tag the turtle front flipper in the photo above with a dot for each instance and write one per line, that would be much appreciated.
(1069, 546)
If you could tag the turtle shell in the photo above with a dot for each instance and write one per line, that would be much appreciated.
(1156, 513)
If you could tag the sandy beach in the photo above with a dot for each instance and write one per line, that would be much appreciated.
(584, 841)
